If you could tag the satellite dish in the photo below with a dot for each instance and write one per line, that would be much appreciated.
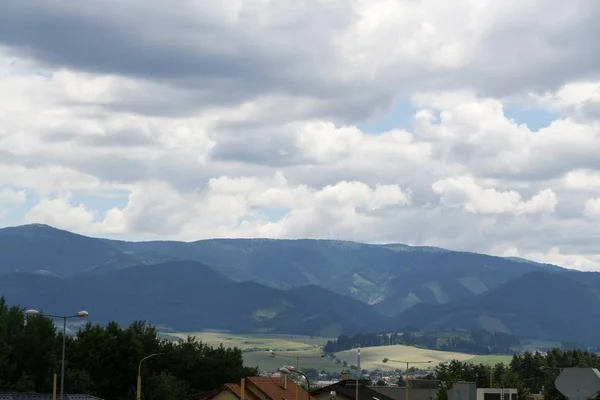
(578, 383)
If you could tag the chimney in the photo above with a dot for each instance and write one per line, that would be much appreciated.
(242, 389)
(284, 379)
(344, 376)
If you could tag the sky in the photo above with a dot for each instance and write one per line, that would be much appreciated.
(466, 124)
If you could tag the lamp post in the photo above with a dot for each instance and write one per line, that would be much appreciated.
(386, 360)
(139, 375)
(272, 354)
(78, 314)
(288, 369)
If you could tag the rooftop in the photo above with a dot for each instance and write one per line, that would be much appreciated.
(44, 396)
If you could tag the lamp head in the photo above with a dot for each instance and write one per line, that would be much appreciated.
(82, 314)
(31, 312)
(271, 354)
(385, 360)
(284, 370)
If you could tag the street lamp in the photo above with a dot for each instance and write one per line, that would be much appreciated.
(78, 314)
(288, 369)
(272, 354)
(386, 360)
(139, 376)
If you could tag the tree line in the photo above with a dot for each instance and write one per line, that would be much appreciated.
(474, 342)
(103, 360)
(530, 373)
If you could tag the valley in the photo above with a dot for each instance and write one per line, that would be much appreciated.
(256, 352)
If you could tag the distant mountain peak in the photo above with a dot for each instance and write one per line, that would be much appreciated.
(36, 225)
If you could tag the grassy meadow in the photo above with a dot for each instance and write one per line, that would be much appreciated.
(256, 349)
(372, 357)
(262, 342)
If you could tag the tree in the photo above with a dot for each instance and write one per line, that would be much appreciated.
(103, 360)
(166, 386)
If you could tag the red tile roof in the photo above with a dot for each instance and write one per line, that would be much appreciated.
(258, 387)
(237, 390)
(272, 388)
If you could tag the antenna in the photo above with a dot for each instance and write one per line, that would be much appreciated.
(578, 383)
(359, 369)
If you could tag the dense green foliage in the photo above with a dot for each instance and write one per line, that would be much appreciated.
(103, 361)
(473, 342)
(529, 373)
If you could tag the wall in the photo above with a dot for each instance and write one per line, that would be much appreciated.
(463, 391)
(497, 394)
(225, 395)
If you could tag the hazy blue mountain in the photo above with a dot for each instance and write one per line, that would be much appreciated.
(351, 310)
(189, 296)
(43, 249)
(294, 286)
(539, 305)
(392, 277)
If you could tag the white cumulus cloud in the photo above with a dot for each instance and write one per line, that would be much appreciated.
(372, 120)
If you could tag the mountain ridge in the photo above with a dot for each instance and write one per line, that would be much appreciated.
(298, 286)
(392, 277)
(540, 304)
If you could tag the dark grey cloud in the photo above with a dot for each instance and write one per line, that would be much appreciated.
(274, 150)
(537, 51)
(115, 139)
(219, 64)
(212, 61)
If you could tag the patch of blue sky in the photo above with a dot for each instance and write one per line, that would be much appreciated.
(398, 117)
(99, 204)
(535, 118)
(13, 214)
(276, 214)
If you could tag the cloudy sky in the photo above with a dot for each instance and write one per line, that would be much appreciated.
(467, 124)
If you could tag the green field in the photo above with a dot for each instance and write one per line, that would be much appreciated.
(372, 357)
(307, 348)
(263, 342)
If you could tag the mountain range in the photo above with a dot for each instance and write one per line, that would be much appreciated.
(315, 287)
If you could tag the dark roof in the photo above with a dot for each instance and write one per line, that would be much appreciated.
(347, 388)
(44, 396)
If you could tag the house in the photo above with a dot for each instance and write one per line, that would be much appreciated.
(418, 389)
(259, 388)
(469, 391)
(44, 396)
(497, 394)
(347, 390)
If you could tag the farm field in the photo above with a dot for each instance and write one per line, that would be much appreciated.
(371, 357)
(287, 347)
(262, 342)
